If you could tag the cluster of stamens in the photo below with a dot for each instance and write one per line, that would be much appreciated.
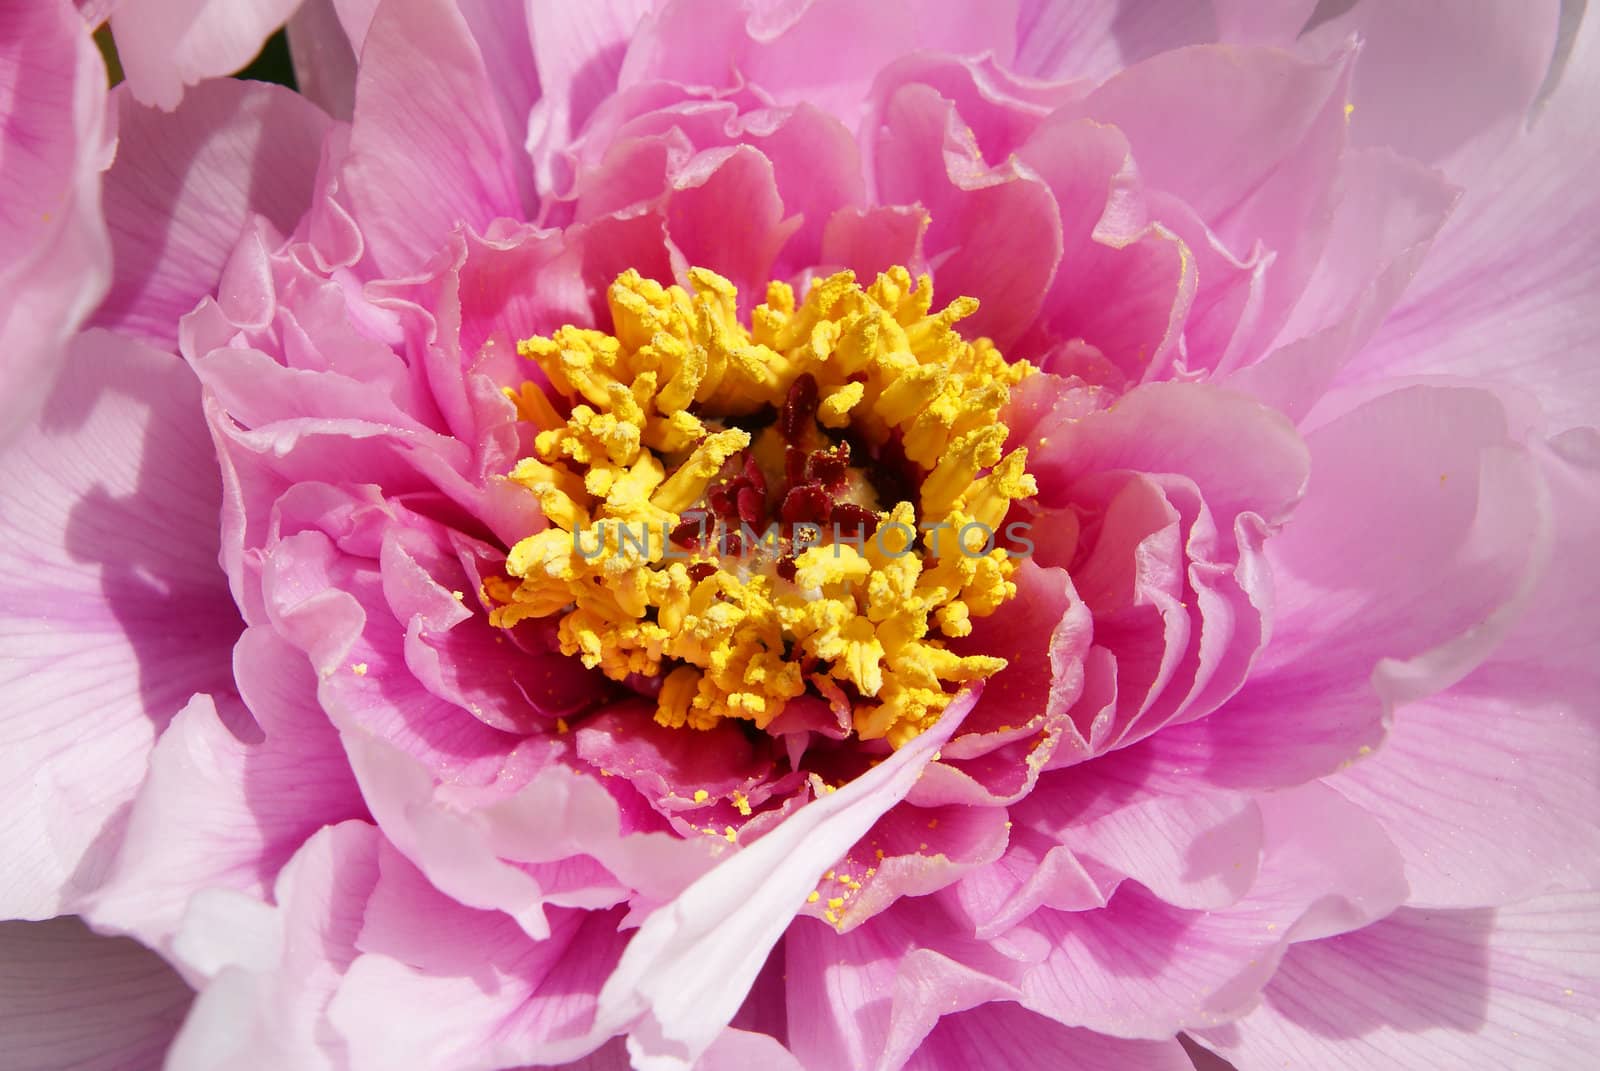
(746, 514)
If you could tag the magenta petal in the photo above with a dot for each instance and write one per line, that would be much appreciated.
(184, 187)
(115, 612)
(71, 998)
(1511, 988)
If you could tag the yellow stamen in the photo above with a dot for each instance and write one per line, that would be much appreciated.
(651, 432)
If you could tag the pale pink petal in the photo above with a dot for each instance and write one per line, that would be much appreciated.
(428, 149)
(269, 973)
(577, 50)
(185, 186)
(739, 1050)
(1489, 788)
(1507, 293)
(796, 52)
(71, 998)
(165, 47)
(324, 60)
(114, 613)
(686, 971)
(442, 986)
(1428, 488)
(868, 998)
(244, 806)
(1096, 38)
(57, 142)
(1138, 968)
(1516, 987)
(1416, 92)
(1388, 214)
(1002, 1034)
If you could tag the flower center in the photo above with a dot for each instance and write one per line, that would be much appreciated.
(816, 502)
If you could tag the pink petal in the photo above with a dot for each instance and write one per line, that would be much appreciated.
(184, 187)
(115, 613)
(324, 61)
(738, 1050)
(1140, 969)
(1415, 95)
(1489, 788)
(1384, 225)
(1507, 988)
(1508, 292)
(686, 971)
(1428, 488)
(1097, 38)
(577, 50)
(70, 998)
(428, 149)
(57, 141)
(720, 184)
(1198, 851)
(1124, 288)
(796, 51)
(165, 47)
(244, 807)
(270, 972)
(443, 986)
(981, 217)
(868, 998)
(1002, 1034)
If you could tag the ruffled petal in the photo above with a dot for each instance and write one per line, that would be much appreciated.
(114, 614)
(71, 998)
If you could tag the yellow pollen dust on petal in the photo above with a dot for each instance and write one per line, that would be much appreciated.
(634, 429)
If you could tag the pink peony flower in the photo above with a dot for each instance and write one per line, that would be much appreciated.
(1261, 728)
